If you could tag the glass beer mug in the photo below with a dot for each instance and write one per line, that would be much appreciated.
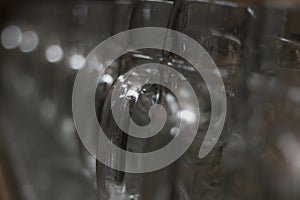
(113, 184)
(220, 27)
(270, 105)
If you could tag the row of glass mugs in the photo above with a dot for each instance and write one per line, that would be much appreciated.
(41, 54)
(258, 58)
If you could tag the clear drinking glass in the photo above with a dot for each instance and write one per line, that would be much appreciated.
(113, 184)
(37, 77)
(221, 28)
(270, 106)
(115, 18)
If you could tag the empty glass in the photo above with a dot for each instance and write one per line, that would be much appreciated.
(221, 28)
(113, 184)
(270, 107)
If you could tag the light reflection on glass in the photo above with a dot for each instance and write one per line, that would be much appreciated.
(76, 61)
(54, 53)
(107, 79)
(187, 115)
(11, 37)
(29, 42)
(174, 131)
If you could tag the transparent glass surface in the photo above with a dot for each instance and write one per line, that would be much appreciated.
(256, 47)
(221, 29)
(269, 131)
(43, 44)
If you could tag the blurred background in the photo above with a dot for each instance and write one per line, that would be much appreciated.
(255, 44)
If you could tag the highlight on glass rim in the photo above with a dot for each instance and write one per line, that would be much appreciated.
(150, 100)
